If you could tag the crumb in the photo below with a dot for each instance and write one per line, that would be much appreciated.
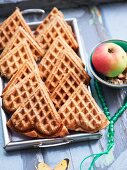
(120, 79)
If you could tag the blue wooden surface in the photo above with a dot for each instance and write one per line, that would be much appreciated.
(95, 24)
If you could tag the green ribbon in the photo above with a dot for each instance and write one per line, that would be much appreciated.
(111, 131)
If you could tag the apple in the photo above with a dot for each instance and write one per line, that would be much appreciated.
(109, 59)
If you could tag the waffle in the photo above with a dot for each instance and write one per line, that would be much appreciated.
(50, 58)
(20, 88)
(20, 92)
(65, 61)
(56, 27)
(37, 117)
(66, 87)
(18, 36)
(46, 21)
(81, 113)
(24, 70)
(15, 58)
(10, 25)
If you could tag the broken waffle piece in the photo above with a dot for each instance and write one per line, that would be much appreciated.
(37, 117)
(66, 87)
(14, 59)
(9, 26)
(18, 37)
(57, 27)
(51, 56)
(81, 113)
(65, 62)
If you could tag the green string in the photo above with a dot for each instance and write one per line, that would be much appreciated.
(111, 131)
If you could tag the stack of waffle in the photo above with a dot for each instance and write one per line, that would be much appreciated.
(46, 95)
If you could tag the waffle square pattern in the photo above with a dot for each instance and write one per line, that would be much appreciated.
(57, 27)
(11, 62)
(19, 35)
(19, 91)
(37, 117)
(81, 113)
(65, 61)
(52, 55)
(9, 26)
(65, 88)
(54, 12)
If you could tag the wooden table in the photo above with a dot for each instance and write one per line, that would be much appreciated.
(95, 24)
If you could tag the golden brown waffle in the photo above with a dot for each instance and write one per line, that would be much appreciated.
(19, 36)
(20, 92)
(66, 87)
(10, 25)
(25, 70)
(50, 58)
(15, 58)
(65, 62)
(57, 27)
(37, 117)
(81, 113)
(17, 93)
(54, 12)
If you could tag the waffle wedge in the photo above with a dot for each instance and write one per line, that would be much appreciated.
(20, 92)
(18, 37)
(25, 70)
(37, 117)
(81, 113)
(54, 12)
(65, 62)
(66, 87)
(56, 27)
(10, 25)
(20, 88)
(14, 59)
(51, 56)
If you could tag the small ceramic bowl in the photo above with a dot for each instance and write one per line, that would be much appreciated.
(100, 77)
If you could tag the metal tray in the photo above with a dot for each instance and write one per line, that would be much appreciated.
(14, 141)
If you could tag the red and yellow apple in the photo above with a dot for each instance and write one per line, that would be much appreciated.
(109, 59)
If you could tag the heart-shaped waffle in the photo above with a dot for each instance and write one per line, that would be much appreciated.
(37, 117)
(81, 113)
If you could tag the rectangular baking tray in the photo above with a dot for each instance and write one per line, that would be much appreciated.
(14, 141)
